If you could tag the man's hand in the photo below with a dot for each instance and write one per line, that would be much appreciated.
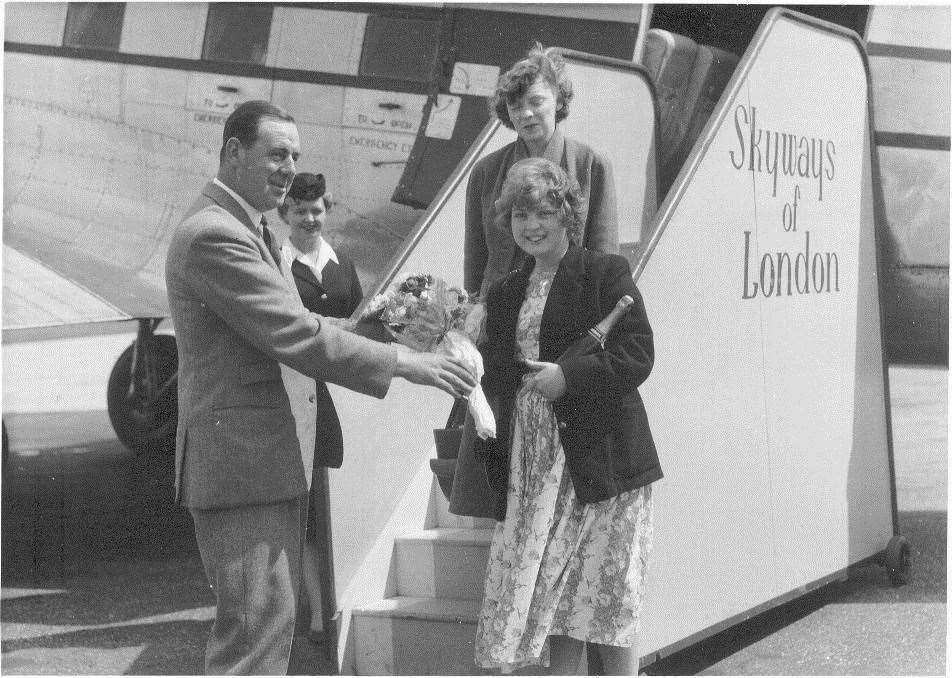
(546, 378)
(447, 374)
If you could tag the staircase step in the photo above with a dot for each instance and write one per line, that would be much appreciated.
(458, 611)
(416, 636)
(444, 518)
(442, 563)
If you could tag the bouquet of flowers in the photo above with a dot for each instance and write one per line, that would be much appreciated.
(423, 313)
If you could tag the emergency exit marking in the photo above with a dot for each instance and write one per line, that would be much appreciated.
(210, 117)
(379, 143)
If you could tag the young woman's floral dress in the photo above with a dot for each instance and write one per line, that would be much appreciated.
(556, 566)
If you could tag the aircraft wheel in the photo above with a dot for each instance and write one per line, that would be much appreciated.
(898, 560)
(145, 421)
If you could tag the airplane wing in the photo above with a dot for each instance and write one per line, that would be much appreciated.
(35, 296)
(92, 202)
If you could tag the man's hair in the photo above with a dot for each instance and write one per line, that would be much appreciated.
(531, 182)
(540, 63)
(242, 124)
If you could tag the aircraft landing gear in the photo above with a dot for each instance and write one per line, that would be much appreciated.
(142, 394)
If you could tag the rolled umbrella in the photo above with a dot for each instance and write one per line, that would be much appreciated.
(594, 339)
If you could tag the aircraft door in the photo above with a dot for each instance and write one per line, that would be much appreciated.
(477, 46)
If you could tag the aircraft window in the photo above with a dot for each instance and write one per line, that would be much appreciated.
(35, 23)
(237, 32)
(94, 24)
(399, 48)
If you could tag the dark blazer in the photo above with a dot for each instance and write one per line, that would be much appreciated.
(489, 252)
(602, 421)
(236, 318)
(337, 295)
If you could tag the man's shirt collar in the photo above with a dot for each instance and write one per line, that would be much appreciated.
(253, 214)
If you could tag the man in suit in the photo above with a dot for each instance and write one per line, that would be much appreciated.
(248, 354)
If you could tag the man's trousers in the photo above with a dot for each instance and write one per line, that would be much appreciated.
(252, 558)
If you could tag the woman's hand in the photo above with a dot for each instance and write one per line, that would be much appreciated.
(546, 378)
(475, 325)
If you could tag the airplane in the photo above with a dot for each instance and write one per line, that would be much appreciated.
(113, 115)
(103, 152)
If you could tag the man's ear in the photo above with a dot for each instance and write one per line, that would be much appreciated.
(328, 201)
(234, 150)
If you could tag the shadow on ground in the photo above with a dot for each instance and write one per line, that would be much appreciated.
(868, 583)
(100, 570)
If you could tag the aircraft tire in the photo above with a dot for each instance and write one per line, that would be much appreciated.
(145, 427)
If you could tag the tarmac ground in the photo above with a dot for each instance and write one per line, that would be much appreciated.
(100, 571)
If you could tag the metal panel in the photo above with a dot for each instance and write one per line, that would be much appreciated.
(918, 26)
(164, 87)
(625, 13)
(36, 23)
(911, 95)
(316, 40)
(92, 88)
(310, 104)
(164, 29)
(768, 408)
(632, 155)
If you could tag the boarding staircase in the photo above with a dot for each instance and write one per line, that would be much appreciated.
(427, 627)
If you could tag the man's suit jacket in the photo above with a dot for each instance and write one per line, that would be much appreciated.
(337, 294)
(236, 318)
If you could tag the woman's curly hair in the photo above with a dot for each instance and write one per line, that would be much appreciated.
(540, 62)
(533, 181)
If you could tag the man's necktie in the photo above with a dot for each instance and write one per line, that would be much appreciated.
(269, 241)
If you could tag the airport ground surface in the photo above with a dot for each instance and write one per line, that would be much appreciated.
(100, 573)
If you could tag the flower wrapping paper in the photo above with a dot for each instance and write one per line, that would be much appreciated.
(423, 313)
(457, 345)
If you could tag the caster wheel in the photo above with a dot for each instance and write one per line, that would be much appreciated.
(898, 560)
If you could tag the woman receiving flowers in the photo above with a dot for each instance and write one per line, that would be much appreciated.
(573, 459)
